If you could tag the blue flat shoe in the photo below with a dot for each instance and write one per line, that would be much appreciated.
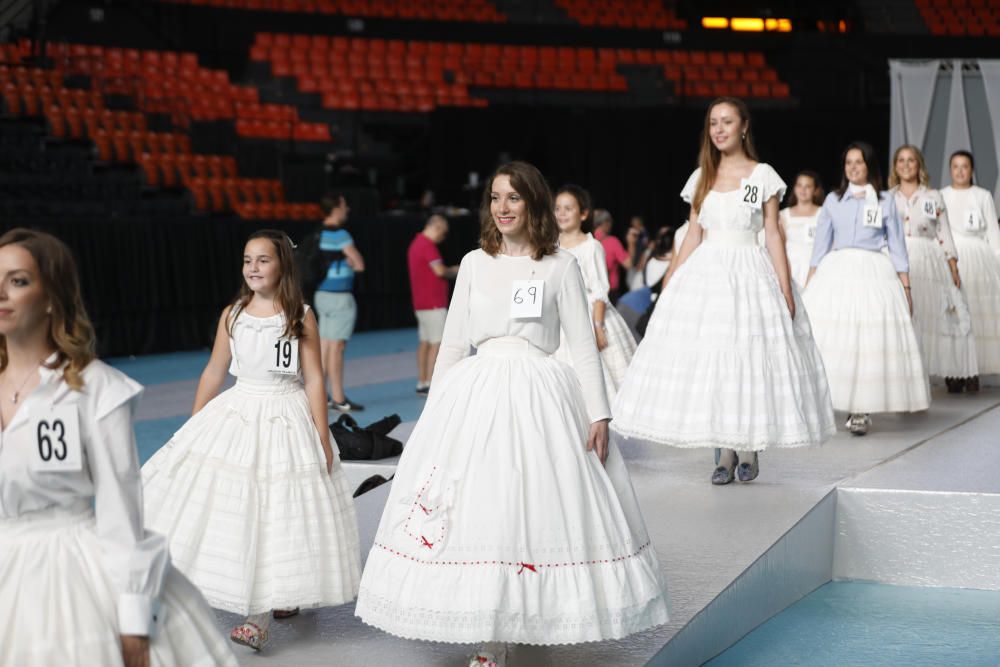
(723, 475)
(747, 472)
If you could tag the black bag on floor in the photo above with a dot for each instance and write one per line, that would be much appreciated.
(369, 443)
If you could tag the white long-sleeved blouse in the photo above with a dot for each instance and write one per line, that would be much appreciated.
(134, 560)
(973, 213)
(480, 310)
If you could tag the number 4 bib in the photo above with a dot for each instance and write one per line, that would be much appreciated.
(55, 438)
(973, 220)
(286, 356)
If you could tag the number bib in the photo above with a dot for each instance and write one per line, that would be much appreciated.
(929, 209)
(811, 232)
(873, 216)
(751, 194)
(526, 299)
(972, 220)
(286, 356)
(55, 440)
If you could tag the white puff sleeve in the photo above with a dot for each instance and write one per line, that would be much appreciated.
(687, 193)
(135, 560)
(771, 183)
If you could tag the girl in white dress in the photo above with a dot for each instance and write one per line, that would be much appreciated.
(249, 491)
(940, 315)
(614, 340)
(502, 524)
(728, 360)
(859, 298)
(973, 216)
(798, 223)
(82, 582)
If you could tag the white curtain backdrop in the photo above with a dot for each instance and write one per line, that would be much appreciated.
(913, 86)
(990, 70)
(957, 129)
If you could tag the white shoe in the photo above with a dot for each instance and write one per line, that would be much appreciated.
(490, 654)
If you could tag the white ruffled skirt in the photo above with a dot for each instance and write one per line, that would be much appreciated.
(941, 317)
(616, 357)
(799, 255)
(979, 267)
(722, 363)
(863, 329)
(500, 526)
(241, 491)
(61, 608)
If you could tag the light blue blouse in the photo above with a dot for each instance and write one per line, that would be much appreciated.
(840, 225)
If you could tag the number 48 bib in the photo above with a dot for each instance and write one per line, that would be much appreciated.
(54, 432)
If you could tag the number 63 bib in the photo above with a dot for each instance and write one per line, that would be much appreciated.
(54, 433)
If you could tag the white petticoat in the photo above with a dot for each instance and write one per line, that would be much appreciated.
(501, 526)
(799, 255)
(616, 357)
(241, 491)
(722, 363)
(863, 329)
(940, 315)
(60, 607)
(980, 270)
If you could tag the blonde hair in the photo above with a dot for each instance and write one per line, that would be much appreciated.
(924, 177)
(709, 156)
(70, 330)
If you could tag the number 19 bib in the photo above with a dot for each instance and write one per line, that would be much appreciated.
(54, 432)
(285, 359)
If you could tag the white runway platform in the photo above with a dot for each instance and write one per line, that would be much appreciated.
(915, 502)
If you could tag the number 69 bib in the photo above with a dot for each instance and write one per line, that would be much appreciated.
(54, 434)
(286, 356)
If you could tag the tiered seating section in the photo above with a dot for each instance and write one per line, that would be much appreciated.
(395, 75)
(976, 18)
(478, 11)
(642, 14)
(122, 136)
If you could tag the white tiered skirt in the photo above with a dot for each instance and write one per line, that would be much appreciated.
(61, 608)
(863, 329)
(941, 317)
(723, 364)
(500, 526)
(799, 255)
(242, 493)
(979, 267)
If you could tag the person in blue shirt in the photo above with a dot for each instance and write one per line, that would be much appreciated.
(858, 298)
(334, 300)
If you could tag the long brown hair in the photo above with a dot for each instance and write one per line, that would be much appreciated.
(923, 177)
(709, 156)
(70, 330)
(527, 181)
(289, 293)
(871, 162)
(818, 192)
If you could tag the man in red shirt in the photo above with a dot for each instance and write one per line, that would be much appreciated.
(614, 253)
(429, 286)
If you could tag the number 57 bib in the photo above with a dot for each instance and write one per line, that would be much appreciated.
(54, 432)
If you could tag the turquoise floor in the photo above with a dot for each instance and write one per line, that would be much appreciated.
(380, 398)
(847, 624)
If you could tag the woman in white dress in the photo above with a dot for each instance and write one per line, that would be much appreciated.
(859, 298)
(973, 216)
(940, 314)
(502, 524)
(81, 582)
(728, 361)
(798, 223)
(614, 340)
(249, 491)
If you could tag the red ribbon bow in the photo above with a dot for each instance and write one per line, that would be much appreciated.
(429, 545)
(526, 566)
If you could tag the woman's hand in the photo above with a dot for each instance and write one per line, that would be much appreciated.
(955, 278)
(598, 439)
(601, 335)
(328, 453)
(135, 651)
(909, 299)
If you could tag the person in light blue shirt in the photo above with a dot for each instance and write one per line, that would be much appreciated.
(334, 300)
(858, 298)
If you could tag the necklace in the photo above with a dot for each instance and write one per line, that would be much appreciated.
(17, 393)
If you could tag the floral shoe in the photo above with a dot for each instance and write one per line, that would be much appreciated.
(249, 634)
(489, 655)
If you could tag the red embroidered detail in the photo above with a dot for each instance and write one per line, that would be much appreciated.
(521, 565)
(429, 545)
(426, 511)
